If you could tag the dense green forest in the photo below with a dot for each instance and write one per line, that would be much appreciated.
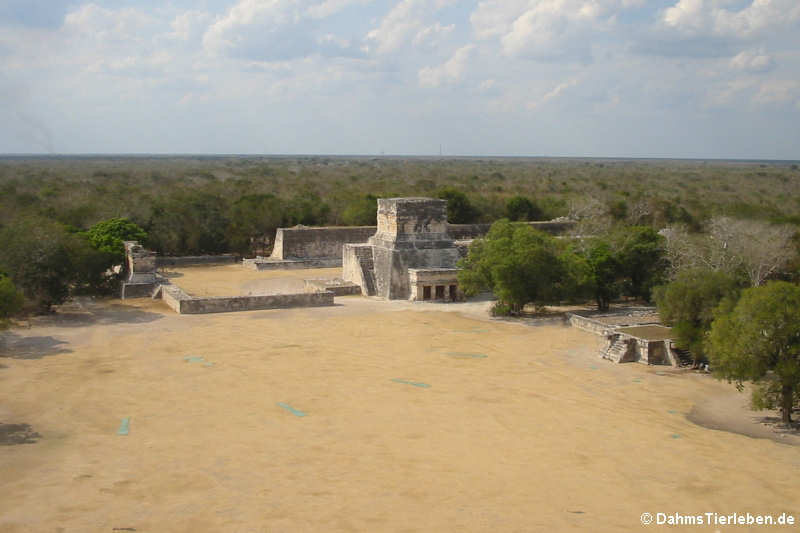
(191, 205)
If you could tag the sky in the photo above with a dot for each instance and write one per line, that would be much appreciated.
(584, 78)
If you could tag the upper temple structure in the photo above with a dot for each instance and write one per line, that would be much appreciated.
(411, 256)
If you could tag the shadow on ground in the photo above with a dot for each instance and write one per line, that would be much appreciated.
(16, 346)
(13, 434)
(89, 312)
(170, 274)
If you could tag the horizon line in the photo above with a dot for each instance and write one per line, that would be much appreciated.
(387, 156)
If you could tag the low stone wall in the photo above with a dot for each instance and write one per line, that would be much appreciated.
(137, 290)
(184, 304)
(463, 232)
(311, 243)
(196, 260)
(326, 242)
(587, 324)
(289, 264)
(141, 267)
(338, 287)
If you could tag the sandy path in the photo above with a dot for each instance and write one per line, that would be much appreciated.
(520, 429)
(235, 280)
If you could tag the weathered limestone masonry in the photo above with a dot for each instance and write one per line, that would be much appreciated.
(643, 344)
(302, 247)
(189, 260)
(412, 234)
(630, 338)
(434, 284)
(141, 265)
(337, 286)
(185, 304)
(317, 243)
(144, 282)
(467, 232)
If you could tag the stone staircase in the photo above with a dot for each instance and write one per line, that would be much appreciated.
(367, 264)
(618, 351)
(685, 357)
(368, 270)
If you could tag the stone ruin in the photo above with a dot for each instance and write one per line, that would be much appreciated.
(411, 256)
(141, 267)
(630, 337)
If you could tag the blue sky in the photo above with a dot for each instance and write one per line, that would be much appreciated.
(665, 78)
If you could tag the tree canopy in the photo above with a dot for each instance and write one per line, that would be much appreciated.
(522, 208)
(687, 304)
(758, 339)
(459, 209)
(108, 236)
(520, 266)
(605, 274)
(641, 256)
(10, 299)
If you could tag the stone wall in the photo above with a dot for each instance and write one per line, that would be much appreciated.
(184, 304)
(261, 263)
(434, 284)
(587, 324)
(140, 264)
(463, 232)
(196, 260)
(326, 242)
(307, 243)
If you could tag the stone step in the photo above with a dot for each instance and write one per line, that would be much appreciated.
(368, 272)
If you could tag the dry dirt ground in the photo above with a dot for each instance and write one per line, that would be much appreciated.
(235, 280)
(367, 416)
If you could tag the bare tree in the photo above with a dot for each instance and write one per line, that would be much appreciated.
(591, 216)
(757, 247)
(731, 245)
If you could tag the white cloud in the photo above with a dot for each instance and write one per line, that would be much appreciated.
(253, 26)
(704, 17)
(331, 7)
(552, 94)
(432, 35)
(403, 22)
(546, 29)
(752, 61)
(188, 24)
(778, 92)
(449, 72)
(110, 26)
(276, 30)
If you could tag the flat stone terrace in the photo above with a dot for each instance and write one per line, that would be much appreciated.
(648, 333)
(236, 280)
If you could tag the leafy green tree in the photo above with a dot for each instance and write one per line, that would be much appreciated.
(307, 209)
(11, 299)
(641, 258)
(34, 252)
(91, 267)
(362, 211)
(254, 216)
(189, 224)
(522, 208)
(618, 209)
(459, 209)
(520, 266)
(108, 236)
(687, 304)
(758, 339)
(605, 274)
